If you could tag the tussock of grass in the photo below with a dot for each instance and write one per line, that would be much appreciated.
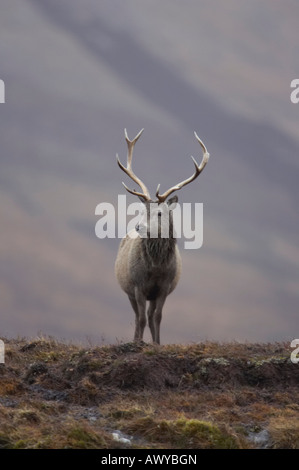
(184, 433)
(82, 437)
(284, 432)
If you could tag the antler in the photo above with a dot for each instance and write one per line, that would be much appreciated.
(198, 170)
(145, 194)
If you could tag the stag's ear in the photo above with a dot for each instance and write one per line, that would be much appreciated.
(172, 202)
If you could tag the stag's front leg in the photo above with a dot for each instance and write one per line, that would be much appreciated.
(150, 316)
(140, 316)
(135, 308)
(158, 317)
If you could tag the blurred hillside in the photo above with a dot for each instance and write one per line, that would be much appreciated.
(76, 73)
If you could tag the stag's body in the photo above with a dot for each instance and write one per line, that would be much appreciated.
(148, 268)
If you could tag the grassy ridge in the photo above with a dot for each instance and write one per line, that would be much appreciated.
(207, 395)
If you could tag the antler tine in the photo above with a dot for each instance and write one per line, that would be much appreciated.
(131, 144)
(198, 170)
(132, 191)
(128, 170)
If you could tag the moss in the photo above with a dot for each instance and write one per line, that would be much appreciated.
(20, 444)
(259, 362)
(150, 352)
(205, 435)
(185, 433)
(80, 437)
(53, 356)
(5, 441)
(206, 362)
(221, 361)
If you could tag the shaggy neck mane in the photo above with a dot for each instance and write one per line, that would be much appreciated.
(158, 250)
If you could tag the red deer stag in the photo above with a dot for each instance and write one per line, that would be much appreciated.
(148, 267)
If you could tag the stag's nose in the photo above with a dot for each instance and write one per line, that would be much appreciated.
(137, 227)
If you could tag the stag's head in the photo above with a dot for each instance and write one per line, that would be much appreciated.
(157, 219)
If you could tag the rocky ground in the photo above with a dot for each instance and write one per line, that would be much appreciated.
(207, 395)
